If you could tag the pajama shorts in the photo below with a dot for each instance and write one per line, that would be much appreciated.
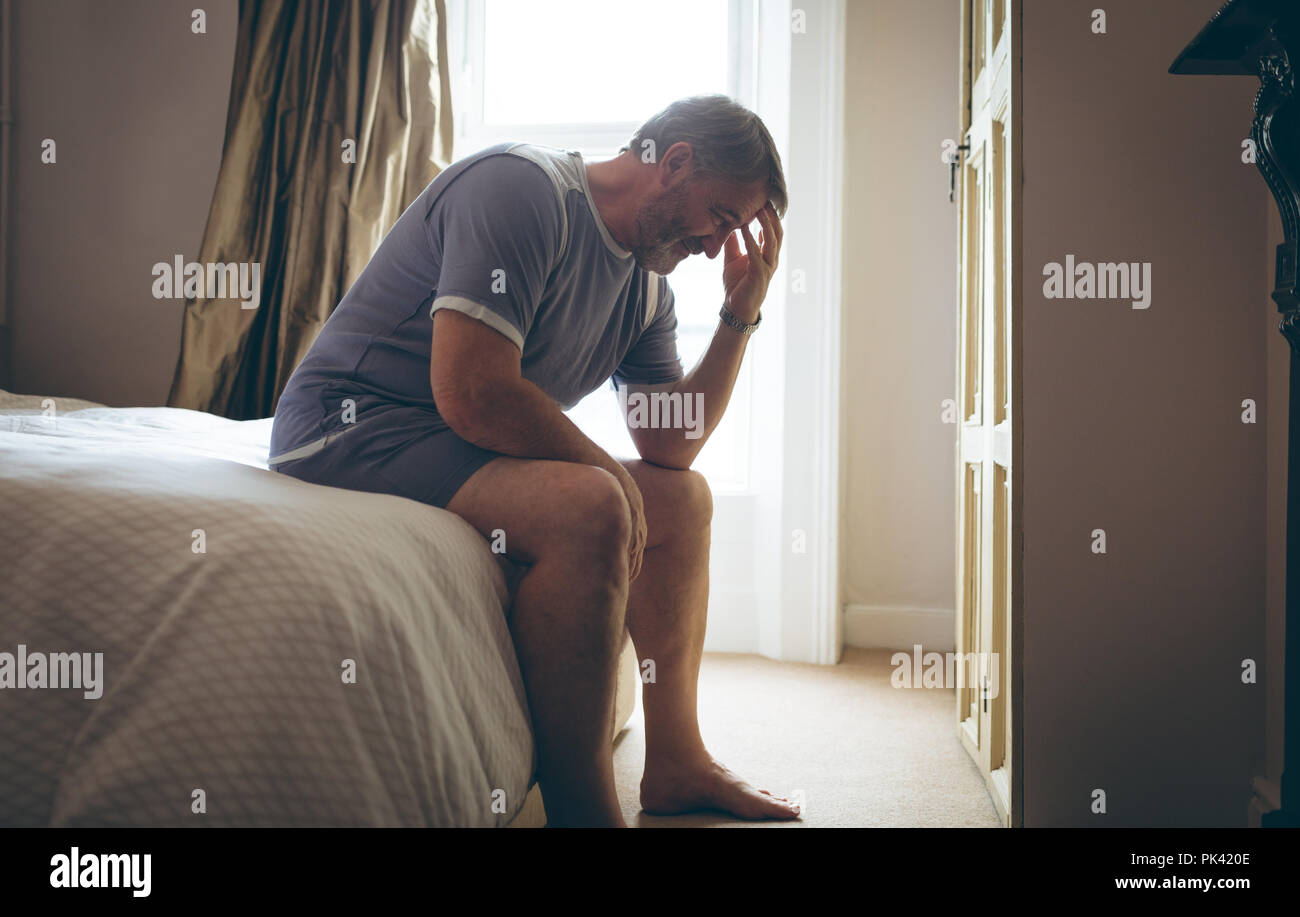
(400, 451)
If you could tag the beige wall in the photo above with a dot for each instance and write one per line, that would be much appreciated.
(137, 106)
(1132, 424)
(1131, 417)
(899, 323)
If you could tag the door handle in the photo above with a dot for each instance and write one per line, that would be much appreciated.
(952, 171)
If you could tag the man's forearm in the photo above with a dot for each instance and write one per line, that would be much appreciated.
(710, 383)
(521, 420)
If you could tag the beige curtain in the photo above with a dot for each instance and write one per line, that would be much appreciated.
(308, 77)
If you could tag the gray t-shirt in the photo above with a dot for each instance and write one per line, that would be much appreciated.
(511, 237)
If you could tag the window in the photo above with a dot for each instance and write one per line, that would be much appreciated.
(582, 75)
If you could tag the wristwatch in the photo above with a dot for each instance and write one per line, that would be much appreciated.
(732, 322)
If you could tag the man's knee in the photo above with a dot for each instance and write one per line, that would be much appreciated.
(592, 512)
(690, 501)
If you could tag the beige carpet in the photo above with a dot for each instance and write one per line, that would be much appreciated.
(863, 752)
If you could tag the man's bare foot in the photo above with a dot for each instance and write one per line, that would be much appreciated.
(673, 789)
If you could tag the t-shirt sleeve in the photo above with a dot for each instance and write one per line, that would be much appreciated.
(653, 359)
(498, 228)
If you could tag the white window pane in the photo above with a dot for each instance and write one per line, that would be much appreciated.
(697, 294)
(584, 61)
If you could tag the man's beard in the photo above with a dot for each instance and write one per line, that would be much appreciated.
(661, 226)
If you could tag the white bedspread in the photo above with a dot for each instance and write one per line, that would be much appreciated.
(223, 671)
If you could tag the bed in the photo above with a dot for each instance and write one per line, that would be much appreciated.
(274, 653)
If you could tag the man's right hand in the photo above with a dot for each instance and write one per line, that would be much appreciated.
(636, 505)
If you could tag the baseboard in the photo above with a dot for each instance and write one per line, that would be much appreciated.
(896, 628)
(1265, 797)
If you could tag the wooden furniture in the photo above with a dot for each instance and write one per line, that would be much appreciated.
(1262, 38)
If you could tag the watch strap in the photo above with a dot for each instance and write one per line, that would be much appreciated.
(732, 322)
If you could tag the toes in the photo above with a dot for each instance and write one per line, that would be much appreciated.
(782, 806)
(780, 810)
(762, 805)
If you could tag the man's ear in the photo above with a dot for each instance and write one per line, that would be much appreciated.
(677, 163)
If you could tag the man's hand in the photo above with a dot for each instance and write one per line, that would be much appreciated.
(635, 503)
(746, 276)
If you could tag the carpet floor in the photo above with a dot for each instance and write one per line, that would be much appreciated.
(863, 753)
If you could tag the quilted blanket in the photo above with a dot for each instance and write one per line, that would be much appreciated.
(189, 639)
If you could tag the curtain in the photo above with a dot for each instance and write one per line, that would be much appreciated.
(308, 77)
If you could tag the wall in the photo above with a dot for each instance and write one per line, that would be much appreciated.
(1132, 424)
(900, 322)
(138, 118)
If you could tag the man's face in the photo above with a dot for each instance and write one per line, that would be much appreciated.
(692, 216)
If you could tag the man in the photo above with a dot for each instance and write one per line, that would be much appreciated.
(519, 281)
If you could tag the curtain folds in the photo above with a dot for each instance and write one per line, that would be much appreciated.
(309, 77)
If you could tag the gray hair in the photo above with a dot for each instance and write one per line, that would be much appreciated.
(727, 140)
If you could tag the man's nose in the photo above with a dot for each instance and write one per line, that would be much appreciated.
(713, 244)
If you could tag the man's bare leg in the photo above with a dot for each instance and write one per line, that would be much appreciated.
(571, 523)
(666, 612)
